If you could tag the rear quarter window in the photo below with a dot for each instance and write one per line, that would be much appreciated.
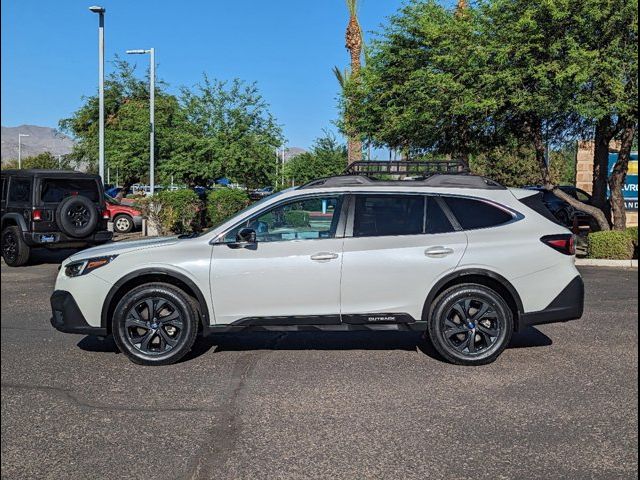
(20, 190)
(472, 214)
(57, 189)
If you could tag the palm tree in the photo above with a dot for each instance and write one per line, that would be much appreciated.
(354, 43)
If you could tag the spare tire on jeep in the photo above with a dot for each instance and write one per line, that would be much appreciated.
(77, 216)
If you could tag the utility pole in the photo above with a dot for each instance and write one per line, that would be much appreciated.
(100, 11)
(20, 135)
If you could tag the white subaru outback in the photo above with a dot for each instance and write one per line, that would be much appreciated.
(458, 256)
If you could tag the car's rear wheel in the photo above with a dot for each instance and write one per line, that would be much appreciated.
(155, 324)
(123, 223)
(14, 249)
(470, 324)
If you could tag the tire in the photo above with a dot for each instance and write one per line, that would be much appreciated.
(14, 249)
(452, 335)
(77, 216)
(122, 223)
(148, 341)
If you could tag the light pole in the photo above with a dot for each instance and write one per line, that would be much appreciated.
(20, 135)
(100, 11)
(152, 121)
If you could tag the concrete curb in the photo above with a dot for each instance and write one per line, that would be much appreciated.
(601, 262)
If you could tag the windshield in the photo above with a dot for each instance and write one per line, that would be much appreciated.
(111, 200)
(247, 208)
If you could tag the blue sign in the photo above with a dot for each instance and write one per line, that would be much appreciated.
(630, 188)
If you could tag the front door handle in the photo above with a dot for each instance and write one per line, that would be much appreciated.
(324, 256)
(438, 252)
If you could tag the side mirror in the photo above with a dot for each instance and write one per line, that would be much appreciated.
(247, 235)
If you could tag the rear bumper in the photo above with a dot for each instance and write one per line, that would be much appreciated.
(59, 239)
(67, 317)
(568, 305)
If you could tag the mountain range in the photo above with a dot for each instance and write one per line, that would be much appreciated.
(40, 140)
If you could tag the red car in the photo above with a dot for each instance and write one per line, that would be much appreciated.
(124, 217)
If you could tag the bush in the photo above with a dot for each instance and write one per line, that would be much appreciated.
(633, 233)
(223, 203)
(611, 245)
(172, 212)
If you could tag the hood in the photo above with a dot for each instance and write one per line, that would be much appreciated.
(117, 248)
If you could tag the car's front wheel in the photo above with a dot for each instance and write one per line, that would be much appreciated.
(155, 324)
(470, 324)
(123, 223)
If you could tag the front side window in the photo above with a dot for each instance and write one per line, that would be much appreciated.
(20, 190)
(384, 215)
(304, 219)
(472, 214)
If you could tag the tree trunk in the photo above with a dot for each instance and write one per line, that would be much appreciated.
(619, 175)
(535, 130)
(605, 132)
(354, 150)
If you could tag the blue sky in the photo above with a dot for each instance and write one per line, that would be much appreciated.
(49, 52)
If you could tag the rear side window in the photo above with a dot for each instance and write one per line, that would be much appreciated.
(57, 189)
(382, 215)
(20, 190)
(437, 221)
(472, 214)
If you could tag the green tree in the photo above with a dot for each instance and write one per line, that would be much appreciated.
(327, 157)
(126, 125)
(227, 130)
(44, 160)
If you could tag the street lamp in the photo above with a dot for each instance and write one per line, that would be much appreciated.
(20, 135)
(152, 123)
(100, 11)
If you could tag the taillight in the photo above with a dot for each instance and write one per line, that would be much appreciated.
(105, 215)
(565, 243)
(36, 215)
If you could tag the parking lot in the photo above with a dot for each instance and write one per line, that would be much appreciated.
(561, 402)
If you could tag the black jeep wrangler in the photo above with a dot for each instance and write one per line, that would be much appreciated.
(51, 209)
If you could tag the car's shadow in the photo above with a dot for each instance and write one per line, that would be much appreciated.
(360, 340)
(42, 256)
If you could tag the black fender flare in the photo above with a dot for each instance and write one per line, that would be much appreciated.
(478, 272)
(204, 309)
(17, 218)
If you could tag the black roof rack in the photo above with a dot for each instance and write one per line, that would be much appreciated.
(422, 168)
(436, 181)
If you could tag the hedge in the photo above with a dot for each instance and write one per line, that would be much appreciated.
(223, 203)
(173, 212)
(611, 245)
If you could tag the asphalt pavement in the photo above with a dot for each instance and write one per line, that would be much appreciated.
(561, 402)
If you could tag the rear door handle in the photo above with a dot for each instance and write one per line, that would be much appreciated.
(324, 256)
(438, 252)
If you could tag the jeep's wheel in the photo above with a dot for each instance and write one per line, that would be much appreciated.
(14, 249)
(470, 324)
(155, 324)
(77, 216)
(122, 223)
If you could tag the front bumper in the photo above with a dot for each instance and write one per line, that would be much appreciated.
(568, 305)
(67, 317)
(59, 239)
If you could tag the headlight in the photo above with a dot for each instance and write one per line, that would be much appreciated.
(82, 267)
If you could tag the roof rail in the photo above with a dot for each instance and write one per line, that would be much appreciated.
(406, 168)
(435, 181)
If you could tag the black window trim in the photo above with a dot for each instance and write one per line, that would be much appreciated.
(340, 228)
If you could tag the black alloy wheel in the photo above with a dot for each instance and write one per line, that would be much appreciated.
(155, 324)
(470, 324)
(14, 249)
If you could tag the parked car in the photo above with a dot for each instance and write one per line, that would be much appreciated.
(50, 209)
(561, 210)
(458, 256)
(261, 193)
(125, 218)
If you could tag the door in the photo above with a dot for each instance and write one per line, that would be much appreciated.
(396, 247)
(291, 274)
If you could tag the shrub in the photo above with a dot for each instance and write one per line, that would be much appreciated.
(612, 245)
(223, 203)
(297, 218)
(172, 212)
(633, 233)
